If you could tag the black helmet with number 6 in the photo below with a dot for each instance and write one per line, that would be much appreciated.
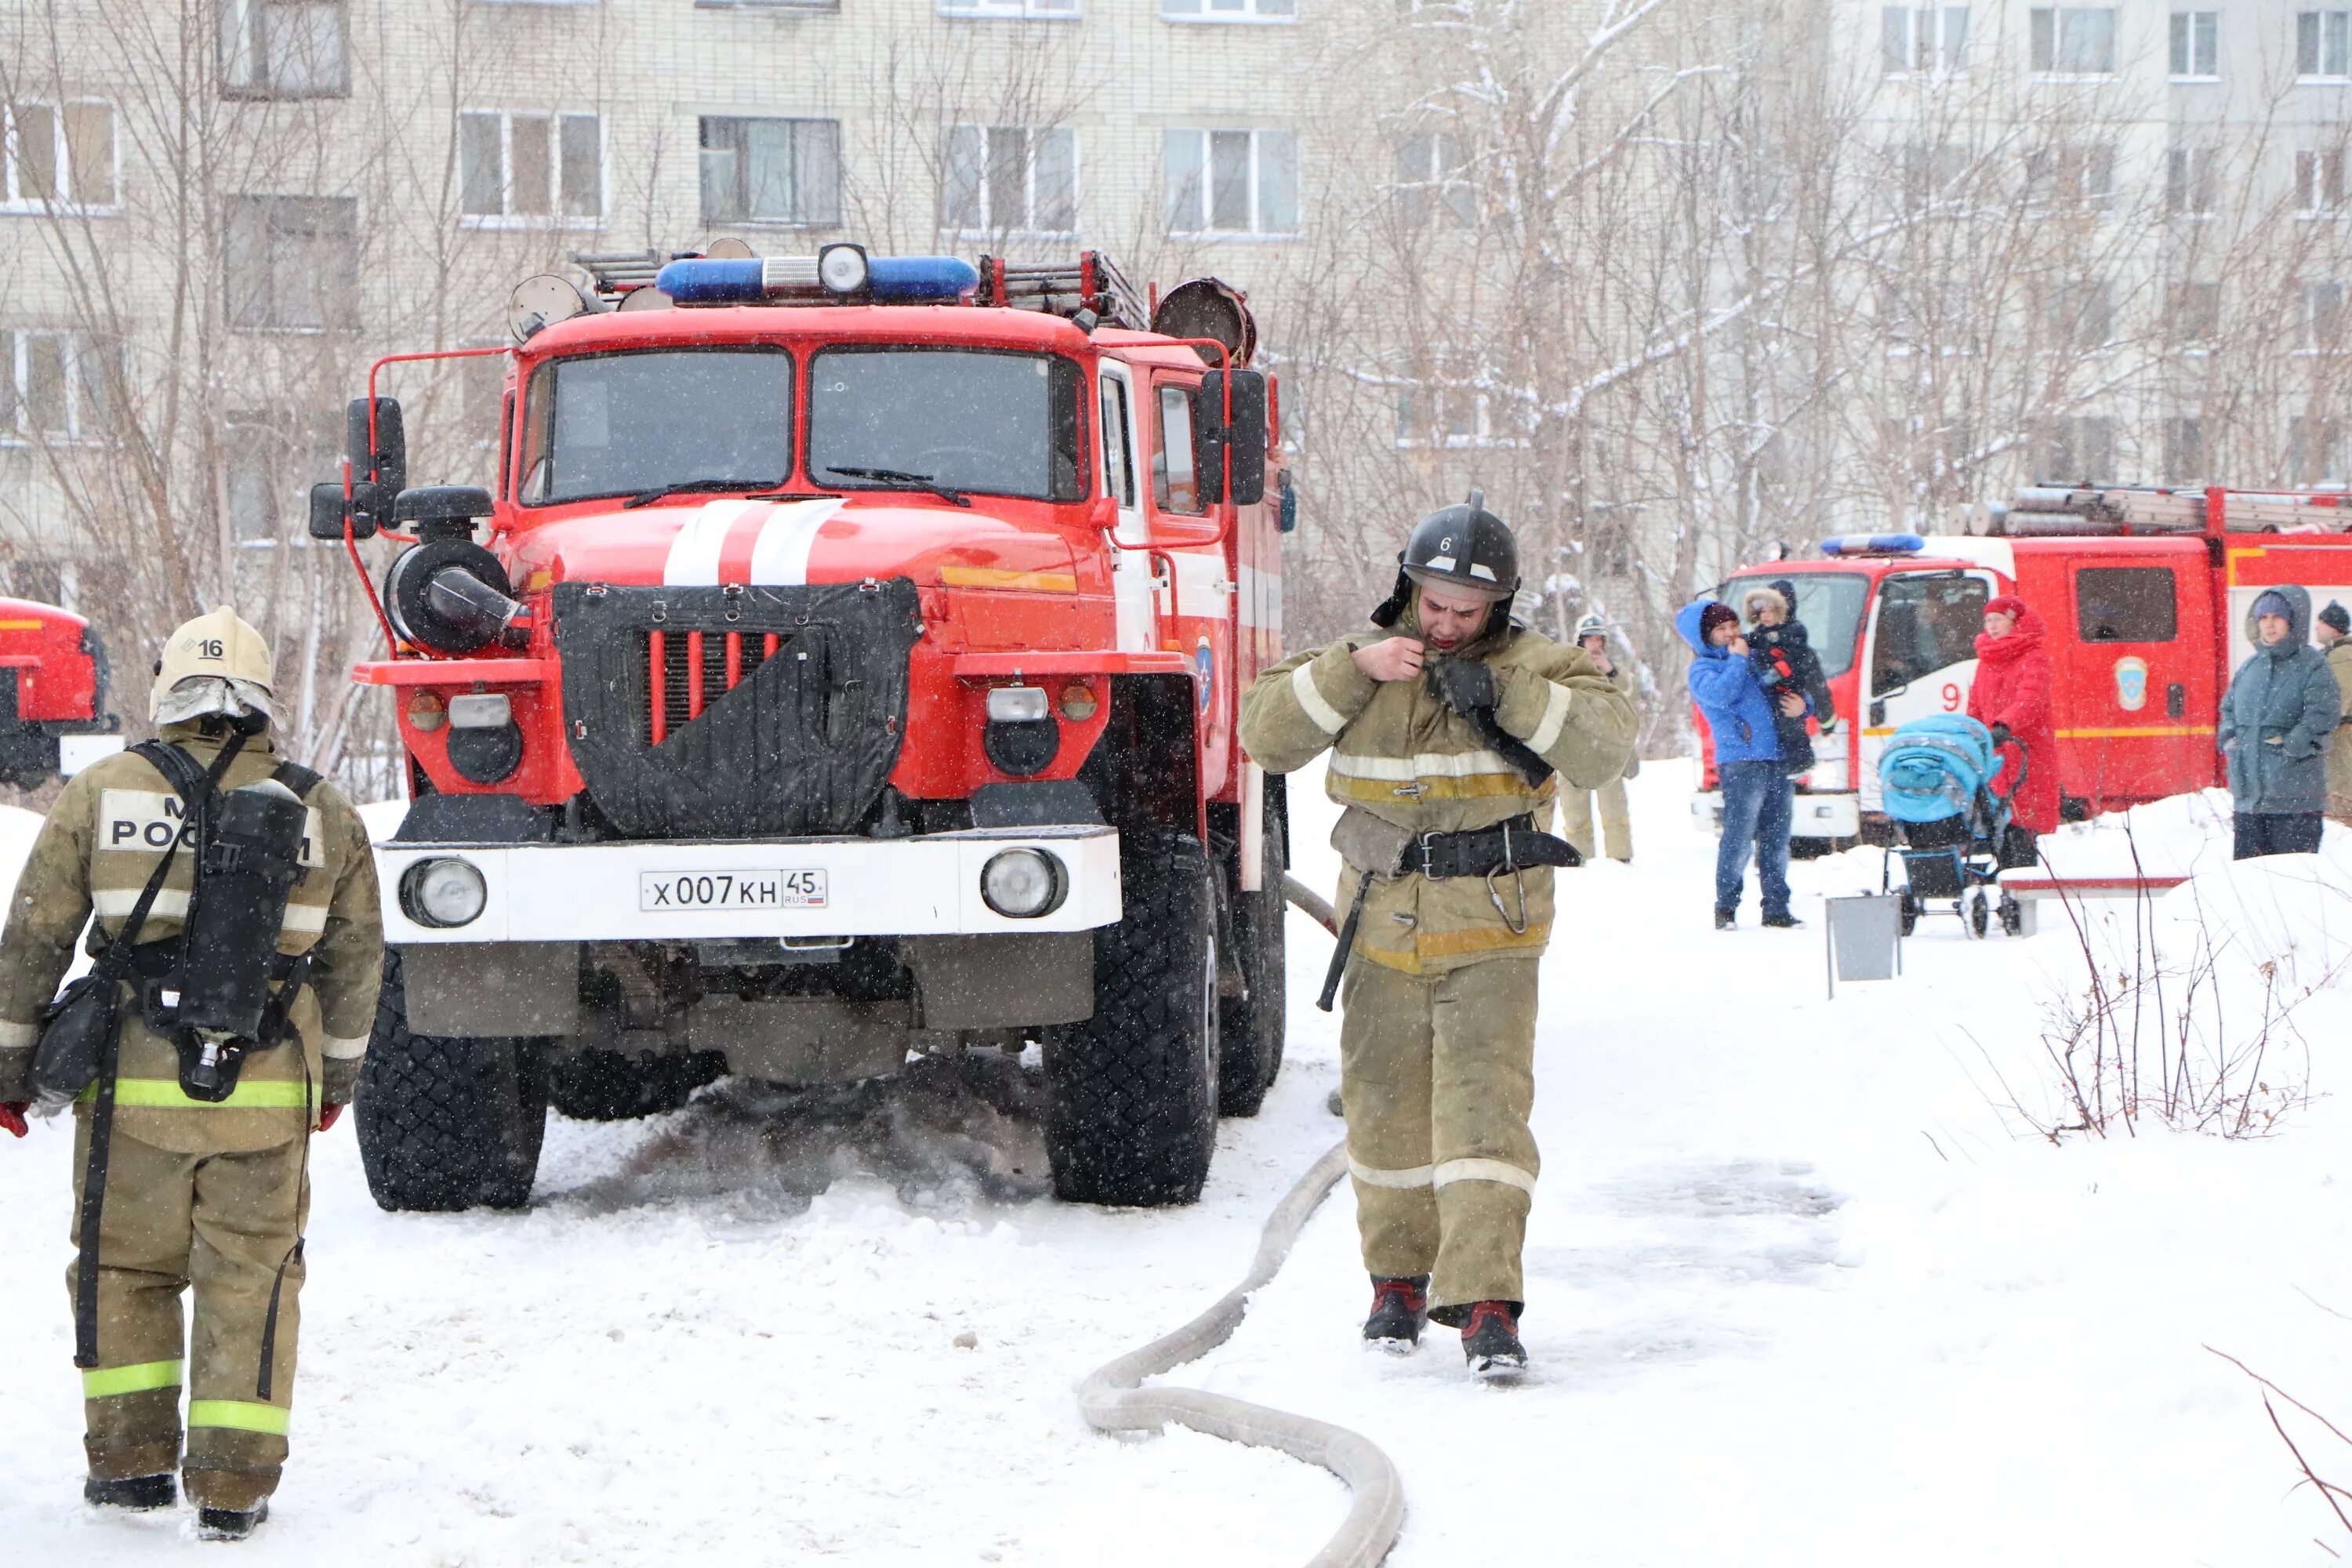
(1461, 549)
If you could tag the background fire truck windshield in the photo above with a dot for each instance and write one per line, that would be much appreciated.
(1829, 603)
(999, 423)
(619, 424)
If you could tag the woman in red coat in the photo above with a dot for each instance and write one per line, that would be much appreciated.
(2012, 698)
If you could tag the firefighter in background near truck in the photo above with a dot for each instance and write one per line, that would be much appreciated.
(2335, 623)
(1576, 805)
(2010, 695)
(1759, 804)
(202, 1189)
(2278, 724)
(1446, 722)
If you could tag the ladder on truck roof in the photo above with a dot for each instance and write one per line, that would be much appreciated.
(2043, 510)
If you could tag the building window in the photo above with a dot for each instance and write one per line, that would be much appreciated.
(61, 155)
(2184, 451)
(285, 48)
(271, 459)
(2189, 182)
(1032, 9)
(2322, 318)
(2196, 45)
(2315, 452)
(57, 386)
(1010, 178)
(2073, 40)
(2322, 44)
(293, 263)
(784, 171)
(2192, 314)
(1925, 40)
(1229, 10)
(2319, 183)
(2079, 316)
(1231, 181)
(2073, 179)
(530, 168)
(2078, 449)
(1431, 170)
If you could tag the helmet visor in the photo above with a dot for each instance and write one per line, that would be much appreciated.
(1465, 584)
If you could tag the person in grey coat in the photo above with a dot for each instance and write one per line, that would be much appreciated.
(2277, 724)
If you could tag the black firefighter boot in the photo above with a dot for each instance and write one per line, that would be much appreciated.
(137, 1493)
(1490, 1340)
(229, 1524)
(1400, 1307)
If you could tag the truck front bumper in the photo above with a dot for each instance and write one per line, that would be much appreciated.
(1825, 816)
(928, 884)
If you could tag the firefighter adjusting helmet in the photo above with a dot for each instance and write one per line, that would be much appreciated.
(218, 647)
(1464, 548)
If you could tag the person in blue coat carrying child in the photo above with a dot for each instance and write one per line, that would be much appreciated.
(1759, 801)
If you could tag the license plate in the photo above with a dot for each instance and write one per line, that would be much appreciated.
(659, 890)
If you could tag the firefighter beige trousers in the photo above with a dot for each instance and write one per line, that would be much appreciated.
(223, 1224)
(1437, 1077)
(1616, 825)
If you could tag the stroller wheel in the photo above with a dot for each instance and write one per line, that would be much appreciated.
(2012, 915)
(1980, 914)
(1910, 910)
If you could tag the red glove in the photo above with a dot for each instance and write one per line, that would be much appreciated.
(12, 1116)
(327, 1115)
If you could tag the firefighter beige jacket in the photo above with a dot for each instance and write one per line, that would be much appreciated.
(1400, 753)
(95, 854)
(2339, 756)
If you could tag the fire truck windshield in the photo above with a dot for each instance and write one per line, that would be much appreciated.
(630, 424)
(954, 419)
(1828, 603)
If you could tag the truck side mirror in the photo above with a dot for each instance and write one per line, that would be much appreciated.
(368, 506)
(1244, 437)
(385, 461)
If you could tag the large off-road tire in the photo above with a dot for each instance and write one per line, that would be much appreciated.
(447, 1124)
(1250, 1028)
(605, 1085)
(1132, 1093)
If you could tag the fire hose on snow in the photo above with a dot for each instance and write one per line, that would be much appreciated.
(1114, 1400)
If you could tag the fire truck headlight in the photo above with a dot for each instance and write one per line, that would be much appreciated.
(1016, 704)
(1022, 884)
(842, 268)
(443, 893)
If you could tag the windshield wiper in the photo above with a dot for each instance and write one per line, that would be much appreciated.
(901, 477)
(688, 486)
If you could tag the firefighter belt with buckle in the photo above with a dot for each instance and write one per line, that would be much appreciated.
(1376, 847)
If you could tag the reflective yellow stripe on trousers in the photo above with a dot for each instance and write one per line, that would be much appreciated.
(166, 1094)
(240, 1413)
(106, 1382)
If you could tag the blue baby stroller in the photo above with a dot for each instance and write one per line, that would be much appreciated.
(1936, 780)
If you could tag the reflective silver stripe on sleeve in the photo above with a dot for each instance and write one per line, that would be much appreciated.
(18, 1037)
(1510, 1175)
(343, 1050)
(1373, 1176)
(1420, 765)
(305, 916)
(1327, 718)
(1555, 717)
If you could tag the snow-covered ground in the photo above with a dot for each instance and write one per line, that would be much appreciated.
(1799, 1293)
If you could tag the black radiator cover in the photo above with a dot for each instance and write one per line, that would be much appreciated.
(803, 745)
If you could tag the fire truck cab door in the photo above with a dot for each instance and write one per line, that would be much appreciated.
(1920, 657)
(1131, 580)
(2133, 695)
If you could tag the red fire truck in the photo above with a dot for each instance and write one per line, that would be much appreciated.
(2144, 593)
(843, 666)
(53, 714)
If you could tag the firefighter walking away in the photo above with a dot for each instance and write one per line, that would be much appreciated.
(237, 948)
(1450, 727)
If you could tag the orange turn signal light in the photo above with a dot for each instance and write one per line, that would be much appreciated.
(1078, 702)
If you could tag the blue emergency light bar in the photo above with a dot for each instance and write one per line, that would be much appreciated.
(837, 273)
(1874, 545)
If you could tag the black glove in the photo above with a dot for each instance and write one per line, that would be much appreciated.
(1465, 685)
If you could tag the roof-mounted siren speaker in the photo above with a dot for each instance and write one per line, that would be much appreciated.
(1209, 308)
(539, 303)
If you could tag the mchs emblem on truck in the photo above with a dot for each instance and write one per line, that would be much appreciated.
(844, 663)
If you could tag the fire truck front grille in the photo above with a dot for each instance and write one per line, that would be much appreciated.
(686, 671)
(735, 712)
